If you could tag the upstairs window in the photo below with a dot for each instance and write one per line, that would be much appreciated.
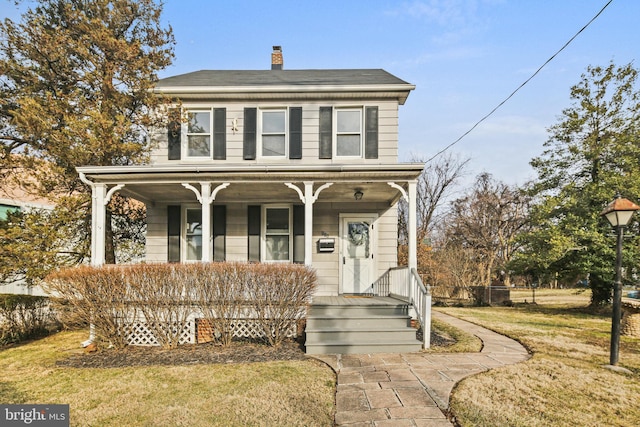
(203, 135)
(274, 136)
(349, 132)
(272, 133)
(199, 134)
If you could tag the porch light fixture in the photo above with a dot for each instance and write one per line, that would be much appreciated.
(619, 213)
(358, 195)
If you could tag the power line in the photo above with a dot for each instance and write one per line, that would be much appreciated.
(521, 86)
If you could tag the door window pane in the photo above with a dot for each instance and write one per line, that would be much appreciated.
(358, 239)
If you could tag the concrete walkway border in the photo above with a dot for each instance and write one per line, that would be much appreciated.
(413, 389)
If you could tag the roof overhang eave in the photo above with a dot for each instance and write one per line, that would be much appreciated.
(395, 91)
(121, 174)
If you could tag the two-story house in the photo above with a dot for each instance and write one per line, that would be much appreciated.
(293, 166)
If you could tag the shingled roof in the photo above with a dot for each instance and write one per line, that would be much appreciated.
(219, 78)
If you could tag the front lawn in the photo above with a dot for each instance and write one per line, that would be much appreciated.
(291, 393)
(564, 383)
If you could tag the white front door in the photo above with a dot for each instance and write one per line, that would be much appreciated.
(357, 248)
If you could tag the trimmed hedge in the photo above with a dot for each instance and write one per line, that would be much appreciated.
(165, 295)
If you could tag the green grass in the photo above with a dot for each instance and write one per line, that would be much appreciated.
(565, 383)
(292, 393)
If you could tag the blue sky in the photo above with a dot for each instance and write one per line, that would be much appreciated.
(464, 56)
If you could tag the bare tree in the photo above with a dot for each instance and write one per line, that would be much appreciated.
(486, 222)
(434, 185)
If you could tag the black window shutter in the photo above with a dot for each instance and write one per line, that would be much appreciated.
(371, 133)
(219, 133)
(173, 233)
(298, 234)
(295, 133)
(326, 132)
(174, 132)
(250, 125)
(219, 232)
(253, 230)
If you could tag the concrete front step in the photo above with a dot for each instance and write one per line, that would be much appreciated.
(363, 347)
(318, 336)
(358, 322)
(360, 327)
(356, 310)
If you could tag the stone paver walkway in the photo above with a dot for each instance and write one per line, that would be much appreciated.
(412, 389)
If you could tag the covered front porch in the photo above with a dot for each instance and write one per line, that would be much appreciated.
(341, 220)
(242, 212)
(395, 316)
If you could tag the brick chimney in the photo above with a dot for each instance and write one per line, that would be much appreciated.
(276, 58)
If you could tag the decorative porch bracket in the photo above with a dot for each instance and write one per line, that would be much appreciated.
(309, 197)
(410, 197)
(100, 197)
(205, 196)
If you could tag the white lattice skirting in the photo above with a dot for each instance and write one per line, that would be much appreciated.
(138, 333)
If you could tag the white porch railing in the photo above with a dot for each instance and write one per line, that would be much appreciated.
(406, 285)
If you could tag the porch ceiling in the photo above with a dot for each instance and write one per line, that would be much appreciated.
(257, 183)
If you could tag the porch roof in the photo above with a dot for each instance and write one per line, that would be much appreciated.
(257, 183)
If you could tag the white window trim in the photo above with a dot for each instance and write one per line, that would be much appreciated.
(260, 132)
(263, 233)
(185, 133)
(359, 109)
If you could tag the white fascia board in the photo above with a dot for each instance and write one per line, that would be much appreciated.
(399, 167)
(285, 88)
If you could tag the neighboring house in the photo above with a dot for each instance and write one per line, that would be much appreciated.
(293, 166)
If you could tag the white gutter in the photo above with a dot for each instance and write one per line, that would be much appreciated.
(202, 168)
(285, 88)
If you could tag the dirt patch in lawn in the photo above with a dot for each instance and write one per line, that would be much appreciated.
(237, 352)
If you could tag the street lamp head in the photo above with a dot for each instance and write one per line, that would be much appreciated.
(620, 211)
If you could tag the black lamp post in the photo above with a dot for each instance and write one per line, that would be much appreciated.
(619, 213)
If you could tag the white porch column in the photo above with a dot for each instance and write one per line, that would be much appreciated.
(413, 232)
(308, 198)
(308, 223)
(205, 196)
(99, 199)
(98, 220)
(205, 191)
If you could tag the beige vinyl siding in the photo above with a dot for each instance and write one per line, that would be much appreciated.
(325, 220)
(387, 240)
(237, 232)
(156, 242)
(387, 133)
